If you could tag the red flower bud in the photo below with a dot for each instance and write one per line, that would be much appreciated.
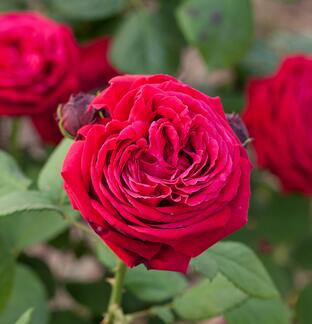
(76, 113)
(238, 127)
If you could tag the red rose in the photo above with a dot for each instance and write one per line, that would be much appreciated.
(41, 65)
(164, 178)
(279, 118)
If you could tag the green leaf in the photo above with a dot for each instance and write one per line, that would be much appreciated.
(260, 311)
(27, 292)
(12, 5)
(21, 201)
(152, 286)
(291, 211)
(164, 313)
(302, 253)
(30, 227)
(286, 43)
(265, 55)
(303, 307)
(208, 299)
(94, 295)
(242, 267)
(147, 42)
(41, 269)
(7, 267)
(220, 29)
(105, 254)
(205, 265)
(89, 10)
(67, 317)
(11, 177)
(26, 317)
(50, 180)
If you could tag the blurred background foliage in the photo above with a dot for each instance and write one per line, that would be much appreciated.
(216, 46)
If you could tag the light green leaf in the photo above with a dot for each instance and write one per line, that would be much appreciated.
(31, 227)
(242, 267)
(11, 177)
(26, 317)
(89, 10)
(303, 307)
(50, 180)
(21, 201)
(260, 311)
(7, 267)
(220, 29)
(147, 43)
(209, 299)
(27, 292)
(154, 286)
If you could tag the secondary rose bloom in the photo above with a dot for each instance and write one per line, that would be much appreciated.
(41, 65)
(164, 178)
(279, 118)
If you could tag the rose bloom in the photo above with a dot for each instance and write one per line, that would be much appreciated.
(41, 65)
(279, 118)
(164, 178)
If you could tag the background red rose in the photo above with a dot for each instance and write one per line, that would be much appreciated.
(279, 118)
(165, 178)
(41, 65)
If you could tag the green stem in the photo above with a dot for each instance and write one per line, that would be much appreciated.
(116, 295)
(15, 126)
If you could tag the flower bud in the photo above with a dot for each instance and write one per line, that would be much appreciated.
(75, 114)
(238, 127)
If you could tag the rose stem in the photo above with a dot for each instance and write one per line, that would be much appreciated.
(14, 137)
(116, 295)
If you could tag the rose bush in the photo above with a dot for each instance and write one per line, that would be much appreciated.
(41, 65)
(279, 118)
(164, 178)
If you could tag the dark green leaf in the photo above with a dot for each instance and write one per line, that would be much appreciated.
(259, 311)
(241, 266)
(27, 292)
(7, 267)
(302, 253)
(50, 180)
(41, 269)
(220, 29)
(147, 43)
(208, 299)
(89, 10)
(304, 309)
(23, 201)
(66, 317)
(152, 286)
(94, 295)
(11, 177)
(291, 211)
